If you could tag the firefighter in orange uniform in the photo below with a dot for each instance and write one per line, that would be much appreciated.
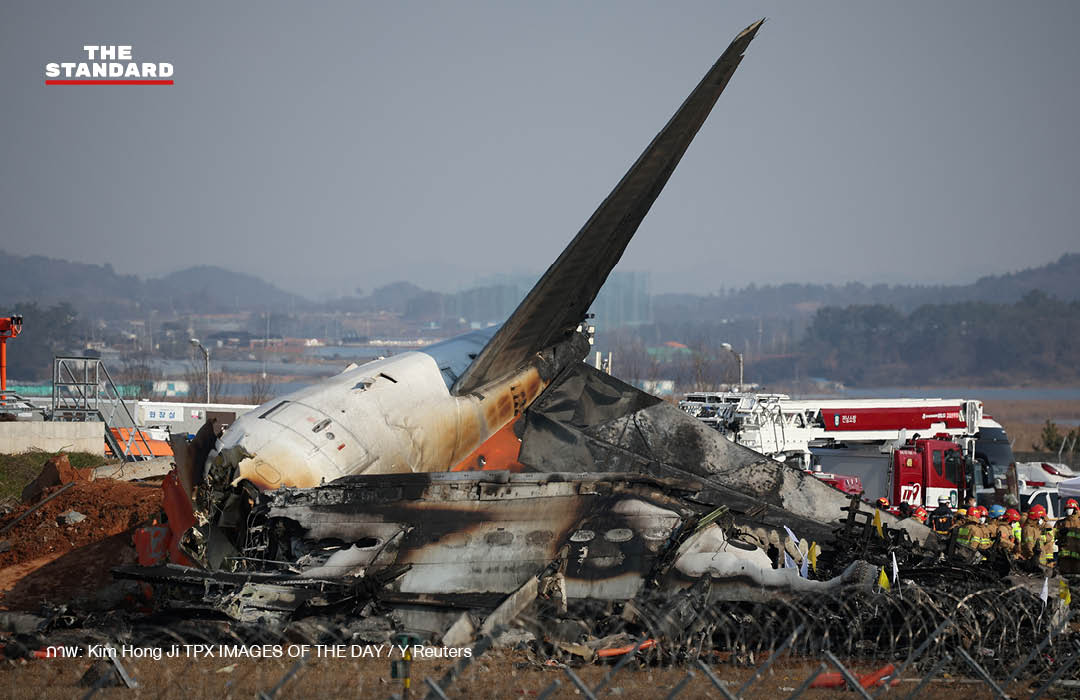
(1038, 542)
(969, 531)
(1012, 517)
(1001, 532)
(1068, 537)
(982, 533)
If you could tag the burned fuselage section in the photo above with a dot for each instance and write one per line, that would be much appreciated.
(467, 540)
(467, 533)
(657, 501)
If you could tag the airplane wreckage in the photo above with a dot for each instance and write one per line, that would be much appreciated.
(457, 483)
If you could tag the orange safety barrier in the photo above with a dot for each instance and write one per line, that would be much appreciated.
(835, 679)
(141, 443)
(619, 651)
(874, 679)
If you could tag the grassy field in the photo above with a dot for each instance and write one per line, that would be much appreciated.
(16, 471)
(1024, 420)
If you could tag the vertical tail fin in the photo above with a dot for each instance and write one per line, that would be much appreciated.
(560, 300)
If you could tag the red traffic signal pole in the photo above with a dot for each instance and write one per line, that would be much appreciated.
(10, 327)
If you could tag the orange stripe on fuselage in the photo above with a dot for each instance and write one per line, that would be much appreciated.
(500, 451)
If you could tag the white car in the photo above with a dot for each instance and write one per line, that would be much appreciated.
(1046, 497)
(1042, 474)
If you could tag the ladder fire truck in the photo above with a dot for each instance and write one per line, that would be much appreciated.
(912, 450)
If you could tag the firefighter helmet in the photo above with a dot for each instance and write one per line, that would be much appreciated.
(883, 503)
(920, 514)
(997, 510)
(1071, 503)
(961, 511)
(943, 500)
(1036, 511)
(1012, 515)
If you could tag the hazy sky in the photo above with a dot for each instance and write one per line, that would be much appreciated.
(330, 146)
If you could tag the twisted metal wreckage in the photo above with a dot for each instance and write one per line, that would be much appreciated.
(457, 486)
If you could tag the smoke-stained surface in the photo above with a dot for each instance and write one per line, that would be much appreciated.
(348, 145)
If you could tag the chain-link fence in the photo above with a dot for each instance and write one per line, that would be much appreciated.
(908, 641)
(1000, 638)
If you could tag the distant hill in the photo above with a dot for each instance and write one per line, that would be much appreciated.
(98, 291)
(50, 281)
(208, 288)
(1060, 279)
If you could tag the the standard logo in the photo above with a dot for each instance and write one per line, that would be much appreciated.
(109, 65)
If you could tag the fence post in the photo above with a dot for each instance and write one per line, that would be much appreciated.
(981, 673)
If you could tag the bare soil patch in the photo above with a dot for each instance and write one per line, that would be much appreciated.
(499, 674)
(1024, 419)
(50, 560)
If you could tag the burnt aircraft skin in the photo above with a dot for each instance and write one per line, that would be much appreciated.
(426, 411)
(481, 532)
(480, 536)
(431, 546)
(599, 423)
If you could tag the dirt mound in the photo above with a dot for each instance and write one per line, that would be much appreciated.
(57, 470)
(110, 507)
(82, 577)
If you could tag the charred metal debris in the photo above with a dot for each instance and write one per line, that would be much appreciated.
(568, 568)
(463, 540)
(446, 552)
(661, 508)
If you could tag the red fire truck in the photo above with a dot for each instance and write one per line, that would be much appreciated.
(912, 450)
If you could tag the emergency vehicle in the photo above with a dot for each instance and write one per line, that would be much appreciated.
(912, 450)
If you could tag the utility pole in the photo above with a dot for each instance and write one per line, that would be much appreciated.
(206, 359)
(266, 342)
(739, 358)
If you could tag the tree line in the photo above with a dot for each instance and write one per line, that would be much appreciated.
(1033, 339)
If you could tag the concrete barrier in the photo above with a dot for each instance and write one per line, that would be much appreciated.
(24, 436)
(130, 471)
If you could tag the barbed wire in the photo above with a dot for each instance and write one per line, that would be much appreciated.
(998, 635)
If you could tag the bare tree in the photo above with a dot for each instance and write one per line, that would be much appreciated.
(703, 367)
(652, 373)
(261, 388)
(631, 355)
(140, 373)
